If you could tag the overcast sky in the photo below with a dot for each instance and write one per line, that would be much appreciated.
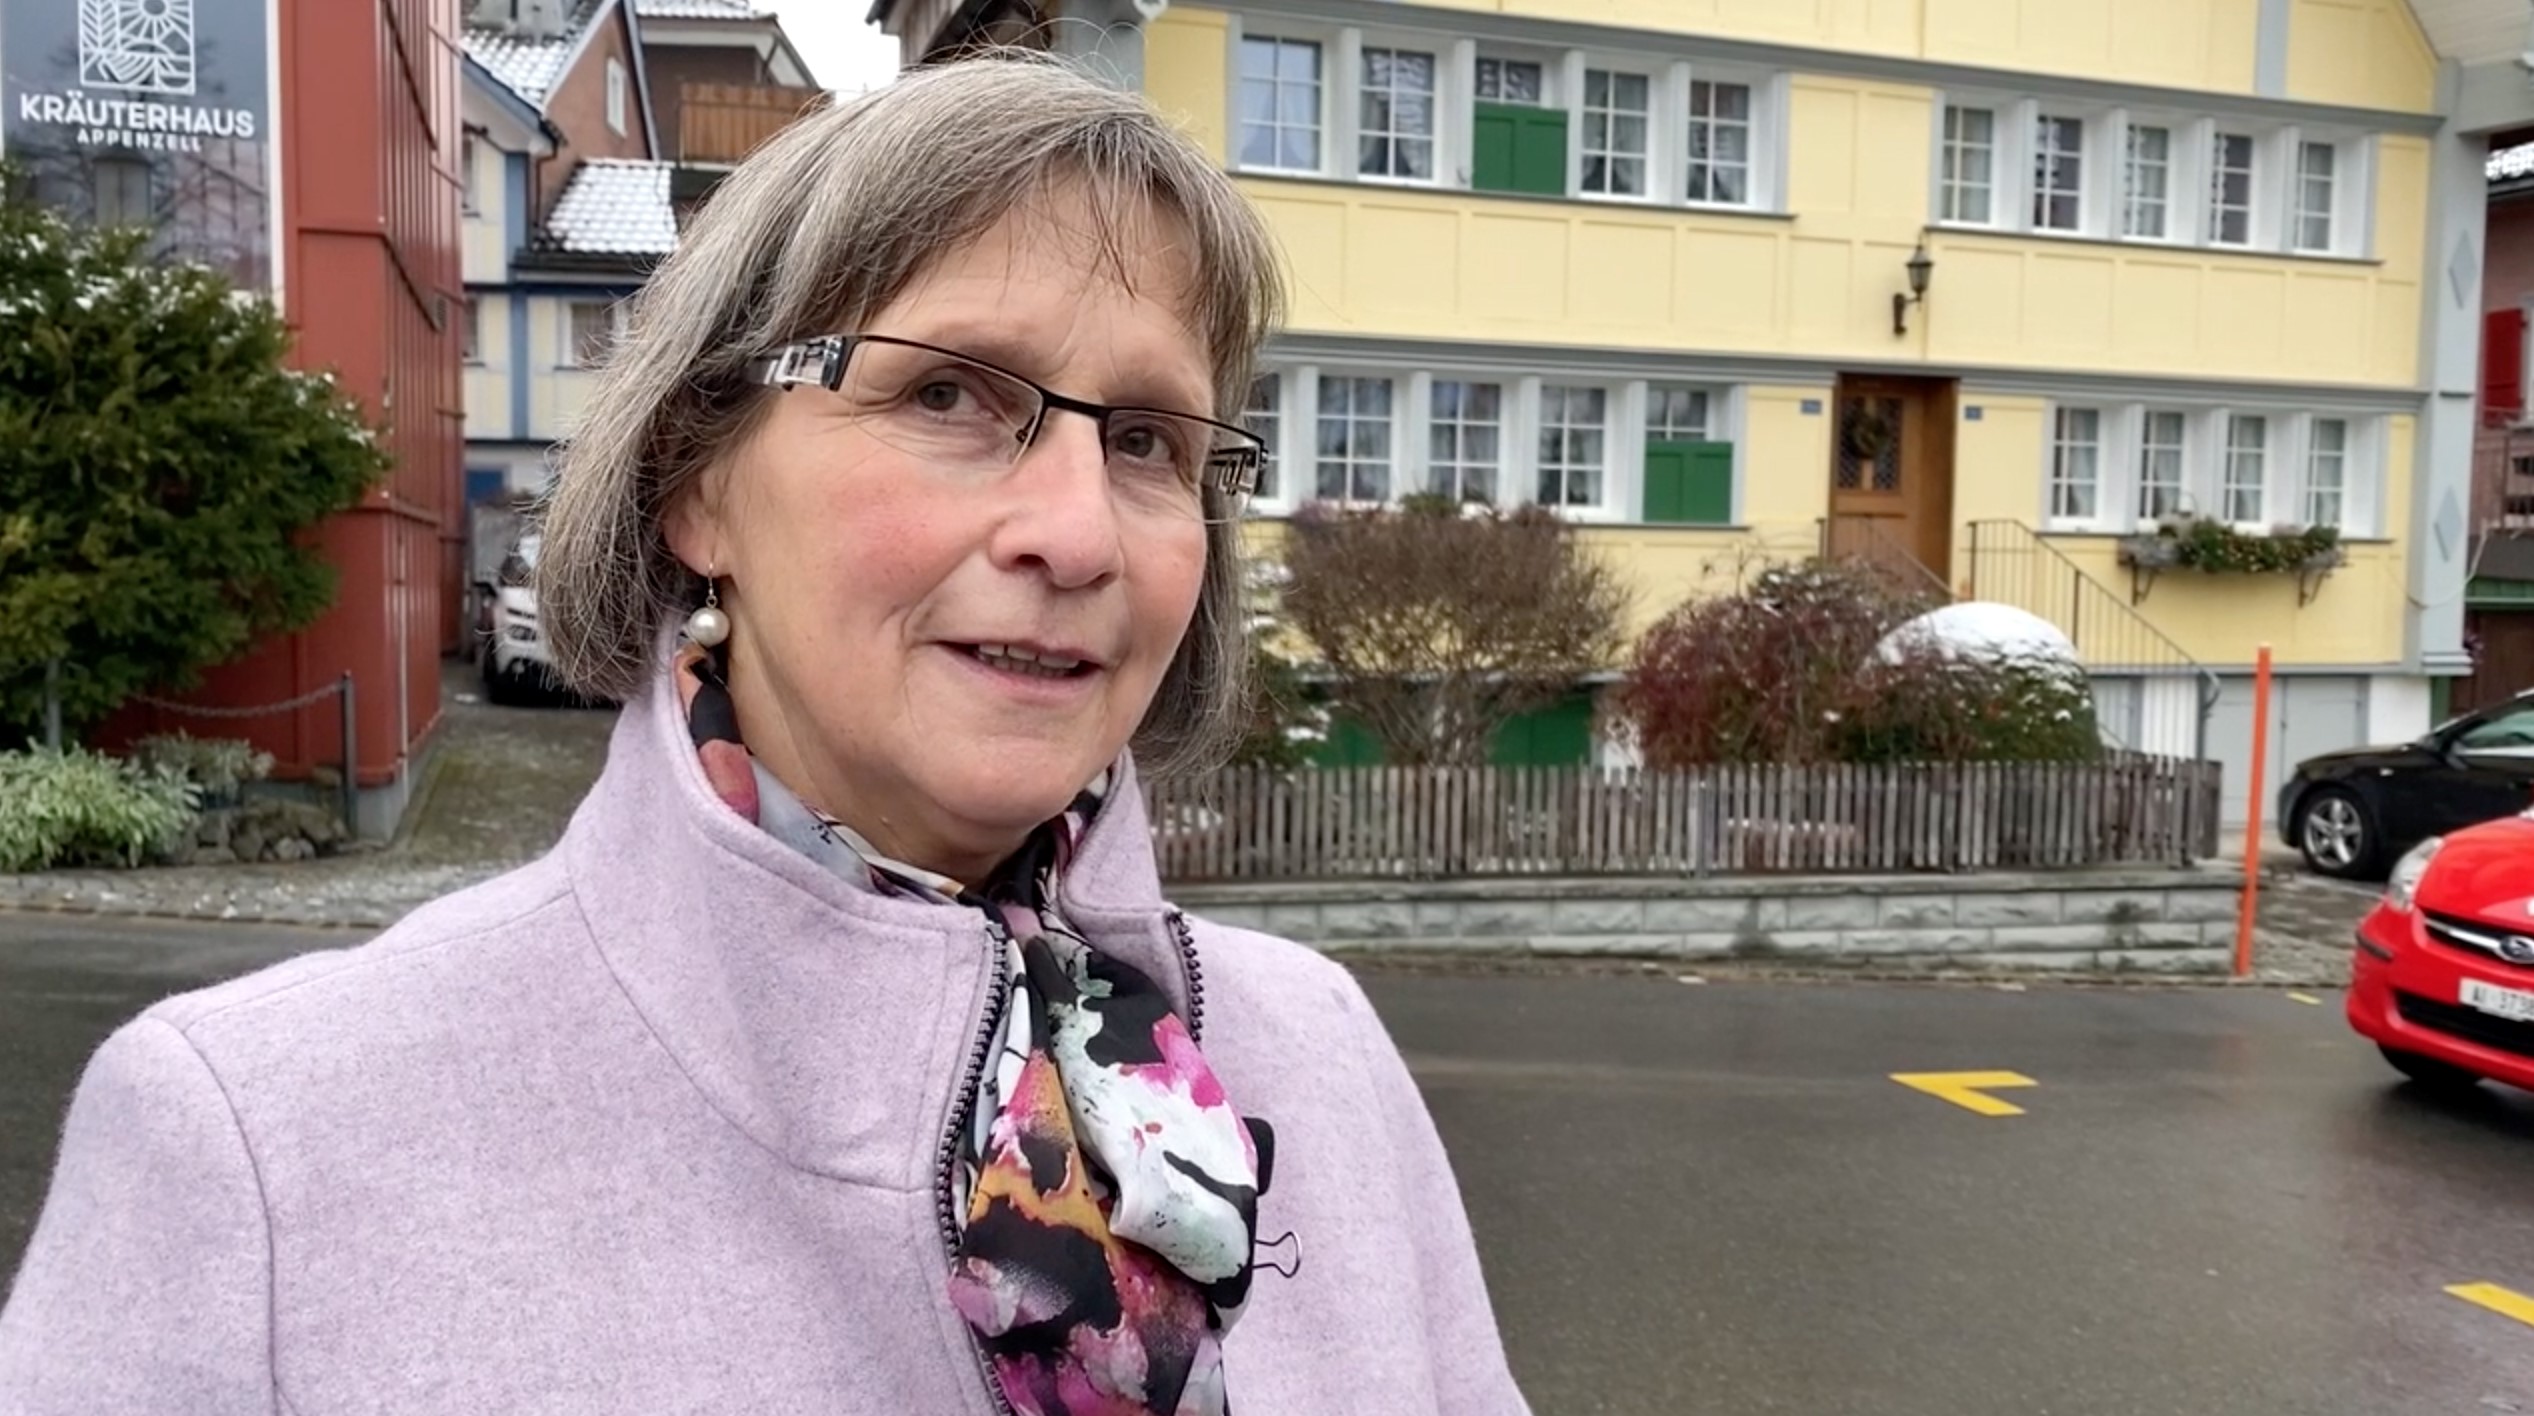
(846, 54)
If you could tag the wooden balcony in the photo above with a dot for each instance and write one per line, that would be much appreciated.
(720, 124)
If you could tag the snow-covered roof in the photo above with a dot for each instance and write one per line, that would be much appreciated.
(529, 66)
(698, 10)
(614, 207)
(2511, 163)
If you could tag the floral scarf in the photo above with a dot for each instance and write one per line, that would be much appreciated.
(1107, 1191)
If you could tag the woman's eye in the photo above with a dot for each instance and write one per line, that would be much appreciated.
(1140, 443)
(939, 396)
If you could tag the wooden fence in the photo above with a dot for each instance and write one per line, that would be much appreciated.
(1436, 823)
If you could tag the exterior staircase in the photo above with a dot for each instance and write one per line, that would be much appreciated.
(2150, 695)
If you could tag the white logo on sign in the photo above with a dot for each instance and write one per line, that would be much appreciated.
(143, 45)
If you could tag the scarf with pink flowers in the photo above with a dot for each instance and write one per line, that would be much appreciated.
(1106, 1192)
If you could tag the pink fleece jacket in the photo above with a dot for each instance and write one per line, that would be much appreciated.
(656, 1125)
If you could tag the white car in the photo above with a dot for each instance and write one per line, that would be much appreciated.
(513, 646)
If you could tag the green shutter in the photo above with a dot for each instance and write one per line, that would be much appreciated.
(1690, 483)
(1349, 745)
(1559, 736)
(1519, 148)
(1494, 140)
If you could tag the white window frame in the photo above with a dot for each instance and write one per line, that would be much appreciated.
(2134, 449)
(1657, 107)
(1563, 87)
(619, 97)
(2267, 492)
(1755, 117)
(2063, 448)
(1421, 438)
(2309, 455)
(568, 354)
(1712, 413)
(1271, 424)
(1327, 145)
(2088, 138)
(1948, 180)
(1547, 65)
(1397, 479)
(1601, 505)
(1439, 109)
(470, 189)
(2211, 175)
(2192, 215)
(2286, 493)
(1294, 444)
(2174, 202)
(471, 331)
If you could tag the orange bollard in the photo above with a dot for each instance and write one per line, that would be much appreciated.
(2250, 907)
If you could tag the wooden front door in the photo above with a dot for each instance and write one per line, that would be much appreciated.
(1891, 471)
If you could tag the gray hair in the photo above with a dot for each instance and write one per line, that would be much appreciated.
(818, 231)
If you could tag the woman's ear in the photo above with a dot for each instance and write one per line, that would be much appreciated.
(694, 527)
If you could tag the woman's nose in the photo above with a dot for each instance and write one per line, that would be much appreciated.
(1062, 514)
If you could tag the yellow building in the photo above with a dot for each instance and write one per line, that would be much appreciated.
(1651, 261)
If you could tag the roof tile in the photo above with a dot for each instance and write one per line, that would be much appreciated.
(614, 206)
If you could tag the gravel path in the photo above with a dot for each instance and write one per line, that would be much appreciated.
(497, 794)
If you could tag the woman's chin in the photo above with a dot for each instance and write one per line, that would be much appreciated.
(1011, 787)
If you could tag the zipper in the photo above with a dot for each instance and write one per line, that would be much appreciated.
(1186, 935)
(962, 1109)
(963, 1105)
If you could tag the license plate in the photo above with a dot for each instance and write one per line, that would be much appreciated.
(2499, 1002)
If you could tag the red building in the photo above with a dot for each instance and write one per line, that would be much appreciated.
(2499, 599)
(366, 262)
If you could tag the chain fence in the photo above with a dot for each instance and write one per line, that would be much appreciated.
(348, 793)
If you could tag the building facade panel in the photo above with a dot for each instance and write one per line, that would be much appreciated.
(2364, 53)
(1862, 166)
(2209, 45)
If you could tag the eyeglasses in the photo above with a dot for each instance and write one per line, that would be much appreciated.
(966, 416)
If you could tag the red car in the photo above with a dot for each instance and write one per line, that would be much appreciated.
(2444, 978)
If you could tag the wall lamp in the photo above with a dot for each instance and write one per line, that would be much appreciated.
(1922, 269)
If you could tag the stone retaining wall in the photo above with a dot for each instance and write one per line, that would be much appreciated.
(2164, 921)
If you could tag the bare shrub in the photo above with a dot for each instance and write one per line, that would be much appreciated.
(1439, 622)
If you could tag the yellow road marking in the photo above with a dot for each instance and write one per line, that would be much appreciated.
(2506, 1302)
(1965, 1089)
(2307, 999)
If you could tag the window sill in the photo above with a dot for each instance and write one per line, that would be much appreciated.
(1538, 198)
(2059, 534)
(2001, 233)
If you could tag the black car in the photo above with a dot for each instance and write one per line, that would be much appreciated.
(2354, 813)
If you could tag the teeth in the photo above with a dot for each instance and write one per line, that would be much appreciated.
(1015, 659)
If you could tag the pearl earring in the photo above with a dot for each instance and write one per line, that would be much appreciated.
(708, 626)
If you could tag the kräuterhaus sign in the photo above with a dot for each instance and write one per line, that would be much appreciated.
(152, 113)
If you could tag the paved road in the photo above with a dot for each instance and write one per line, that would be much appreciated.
(1711, 1199)
(2217, 1204)
(65, 983)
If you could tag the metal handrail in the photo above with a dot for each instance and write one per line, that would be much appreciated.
(2109, 633)
(1839, 533)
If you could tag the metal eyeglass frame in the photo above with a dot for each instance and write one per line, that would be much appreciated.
(1231, 472)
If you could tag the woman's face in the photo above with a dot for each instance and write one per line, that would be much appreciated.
(861, 579)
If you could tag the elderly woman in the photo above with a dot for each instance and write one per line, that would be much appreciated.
(844, 1057)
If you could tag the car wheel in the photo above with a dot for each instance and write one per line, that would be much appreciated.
(2429, 1072)
(2337, 834)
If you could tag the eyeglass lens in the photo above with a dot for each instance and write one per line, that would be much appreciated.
(968, 418)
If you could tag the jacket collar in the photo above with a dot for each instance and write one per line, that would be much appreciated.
(832, 1025)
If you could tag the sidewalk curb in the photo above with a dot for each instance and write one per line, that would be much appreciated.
(90, 911)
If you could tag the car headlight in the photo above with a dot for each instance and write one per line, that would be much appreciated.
(2404, 886)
